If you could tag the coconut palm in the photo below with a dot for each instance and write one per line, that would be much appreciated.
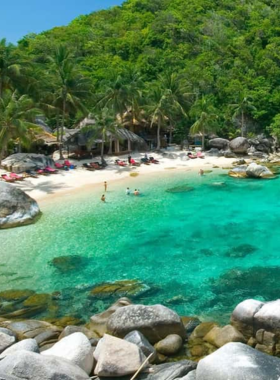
(205, 113)
(167, 98)
(9, 66)
(244, 106)
(103, 127)
(17, 119)
(70, 87)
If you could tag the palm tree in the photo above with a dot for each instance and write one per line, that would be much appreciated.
(17, 115)
(205, 113)
(104, 127)
(70, 87)
(168, 98)
(9, 66)
(244, 106)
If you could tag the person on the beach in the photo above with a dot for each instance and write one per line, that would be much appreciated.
(201, 172)
(136, 192)
(129, 159)
(105, 186)
(103, 198)
(127, 191)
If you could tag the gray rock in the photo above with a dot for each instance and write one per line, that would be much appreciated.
(7, 331)
(32, 366)
(239, 145)
(75, 348)
(258, 171)
(137, 338)
(21, 162)
(169, 345)
(24, 345)
(7, 377)
(268, 316)
(240, 162)
(117, 357)
(32, 328)
(98, 322)
(262, 144)
(219, 143)
(238, 172)
(154, 322)
(167, 371)
(16, 207)
(213, 152)
(229, 154)
(236, 361)
(190, 376)
(242, 317)
(6, 341)
(220, 336)
(73, 329)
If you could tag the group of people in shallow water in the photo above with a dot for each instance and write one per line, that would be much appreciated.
(136, 192)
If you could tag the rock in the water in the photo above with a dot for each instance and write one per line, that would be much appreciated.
(29, 365)
(220, 336)
(239, 145)
(238, 172)
(68, 263)
(75, 348)
(241, 251)
(6, 341)
(125, 288)
(117, 357)
(268, 317)
(24, 345)
(202, 329)
(218, 143)
(258, 171)
(98, 322)
(21, 162)
(34, 329)
(236, 361)
(169, 345)
(137, 338)
(154, 322)
(73, 329)
(16, 207)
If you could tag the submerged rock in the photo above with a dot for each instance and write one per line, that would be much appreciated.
(16, 207)
(180, 189)
(238, 172)
(124, 288)
(219, 336)
(154, 322)
(241, 251)
(68, 263)
(16, 295)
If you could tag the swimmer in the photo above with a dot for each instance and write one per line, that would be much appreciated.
(105, 186)
(103, 198)
(136, 192)
(127, 191)
(201, 172)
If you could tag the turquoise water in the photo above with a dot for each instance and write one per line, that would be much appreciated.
(199, 244)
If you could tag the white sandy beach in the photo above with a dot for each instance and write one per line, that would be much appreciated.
(45, 187)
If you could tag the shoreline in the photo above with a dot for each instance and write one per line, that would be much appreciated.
(46, 188)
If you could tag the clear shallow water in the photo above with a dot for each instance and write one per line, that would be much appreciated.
(200, 251)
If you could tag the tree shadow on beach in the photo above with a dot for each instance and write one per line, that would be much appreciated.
(47, 187)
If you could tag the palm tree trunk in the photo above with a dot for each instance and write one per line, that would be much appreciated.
(203, 140)
(158, 136)
(242, 124)
(102, 148)
(62, 129)
(110, 145)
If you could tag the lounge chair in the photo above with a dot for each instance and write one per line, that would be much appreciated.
(153, 160)
(134, 163)
(192, 156)
(69, 164)
(41, 172)
(97, 165)
(120, 163)
(200, 155)
(17, 177)
(89, 167)
(48, 169)
(58, 165)
(7, 178)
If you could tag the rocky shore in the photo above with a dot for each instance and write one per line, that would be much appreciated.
(129, 341)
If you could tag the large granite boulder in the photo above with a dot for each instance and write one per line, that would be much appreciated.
(154, 322)
(239, 145)
(137, 338)
(243, 315)
(238, 172)
(236, 361)
(6, 341)
(29, 365)
(219, 143)
(16, 207)
(268, 317)
(98, 322)
(24, 345)
(262, 144)
(219, 336)
(75, 348)
(117, 357)
(258, 171)
(21, 162)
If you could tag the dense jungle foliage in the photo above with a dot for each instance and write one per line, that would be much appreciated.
(168, 62)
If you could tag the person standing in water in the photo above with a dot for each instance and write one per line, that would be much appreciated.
(103, 199)
(127, 191)
(136, 192)
(105, 186)
(201, 172)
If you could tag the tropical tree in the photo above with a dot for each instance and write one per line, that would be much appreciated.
(17, 120)
(167, 98)
(206, 117)
(69, 86)
(242, 108)
(104, 127)
(9, 66)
